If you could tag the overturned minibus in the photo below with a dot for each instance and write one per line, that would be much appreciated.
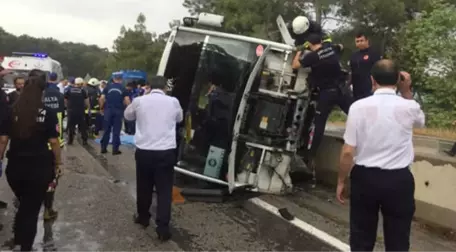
(245, 108)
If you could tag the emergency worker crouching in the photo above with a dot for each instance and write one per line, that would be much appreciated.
(112, 103)
(55, 102)
(327, 78)
(77, 101)
(93, 116)
(31, 165)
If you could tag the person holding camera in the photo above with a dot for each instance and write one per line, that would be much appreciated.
(378, 136)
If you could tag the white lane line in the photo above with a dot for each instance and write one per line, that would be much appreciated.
(306, 227)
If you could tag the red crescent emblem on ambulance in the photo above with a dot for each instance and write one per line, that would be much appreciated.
(14, 63)
(366, 57)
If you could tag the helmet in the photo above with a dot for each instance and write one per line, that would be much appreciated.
(94, 82)
(79, 80)
(300, 25)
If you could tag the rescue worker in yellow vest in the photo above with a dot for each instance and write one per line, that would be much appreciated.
(94, 119)
(54, 101)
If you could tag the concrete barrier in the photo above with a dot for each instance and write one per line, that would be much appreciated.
(434, 172)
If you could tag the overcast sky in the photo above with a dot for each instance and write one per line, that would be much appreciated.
(87, 21)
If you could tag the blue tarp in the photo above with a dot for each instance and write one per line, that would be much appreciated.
(124, 140)
(129, 75)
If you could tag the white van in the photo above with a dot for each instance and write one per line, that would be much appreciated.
(21, 64)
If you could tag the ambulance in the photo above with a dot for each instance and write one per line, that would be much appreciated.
(21, 63)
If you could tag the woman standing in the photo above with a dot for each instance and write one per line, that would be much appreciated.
(31, 165)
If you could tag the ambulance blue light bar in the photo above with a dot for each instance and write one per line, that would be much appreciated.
(36, 55)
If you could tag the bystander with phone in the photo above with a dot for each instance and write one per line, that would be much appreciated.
(377, 154)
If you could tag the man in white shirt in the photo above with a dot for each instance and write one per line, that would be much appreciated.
(378, 138)
(62, 85)
(156, 116)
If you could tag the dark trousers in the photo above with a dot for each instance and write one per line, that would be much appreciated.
(78, 119)
(130, 127)
(112, 123)
(29, 179)
(155, 168)
(94, 122)
(392, 193)
(327, 99)
(98, 123)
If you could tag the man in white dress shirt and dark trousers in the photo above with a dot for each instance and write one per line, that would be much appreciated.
(156, 116)
(378, 138)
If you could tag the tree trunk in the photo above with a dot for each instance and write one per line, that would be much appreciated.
(318, 12)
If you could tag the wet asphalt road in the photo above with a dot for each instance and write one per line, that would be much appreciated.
(96, 202)
(216, 226)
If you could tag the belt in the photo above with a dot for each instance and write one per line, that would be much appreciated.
(379, 168)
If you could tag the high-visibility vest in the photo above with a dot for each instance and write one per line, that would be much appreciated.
(60, 130)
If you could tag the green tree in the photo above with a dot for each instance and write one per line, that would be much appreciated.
(136, 48)
(257, 18)
(77, 59)
(426, 47)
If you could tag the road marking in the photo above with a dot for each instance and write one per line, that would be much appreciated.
(306, 227)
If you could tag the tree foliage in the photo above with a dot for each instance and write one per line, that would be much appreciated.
(136, 48)
(77, 59)
(426, 47)
(257, 17)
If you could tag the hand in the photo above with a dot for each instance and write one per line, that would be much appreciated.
(453, 123)
(58, 172)
(340, 192)
(405, 83)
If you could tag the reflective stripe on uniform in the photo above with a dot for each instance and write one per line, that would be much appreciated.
(60, 130)
(327, 40)
(92, 111)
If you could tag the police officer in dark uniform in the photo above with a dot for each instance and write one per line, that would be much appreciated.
(113, 101)
(31, 165)
(53, 81)
(327, 78)
(77, 101)
(55, 102)
(361, 63)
